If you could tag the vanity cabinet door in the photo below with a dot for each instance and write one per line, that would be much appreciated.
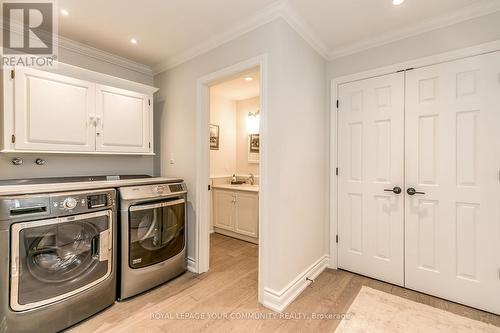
(224, 209)
(247, 214)
(52, 112)
(124, 121)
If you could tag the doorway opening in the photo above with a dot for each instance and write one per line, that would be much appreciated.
(234, 157)
(231, 156)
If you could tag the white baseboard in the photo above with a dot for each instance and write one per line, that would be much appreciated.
(332, 262)
(191, 265)
(279, 300)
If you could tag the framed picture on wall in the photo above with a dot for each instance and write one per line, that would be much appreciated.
(253, 148)
(254, 143)
(214, 137)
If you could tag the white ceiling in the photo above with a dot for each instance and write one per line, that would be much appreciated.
(172, 31)
(342, 23)
(163, 28)
(237, 88)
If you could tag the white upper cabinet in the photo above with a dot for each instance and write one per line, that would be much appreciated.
(74, 110)
(53, 112)
(124, 120)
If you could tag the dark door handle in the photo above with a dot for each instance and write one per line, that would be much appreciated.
(412, 191)
(396, 190)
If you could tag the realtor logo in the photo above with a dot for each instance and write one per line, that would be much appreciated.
(28, 33)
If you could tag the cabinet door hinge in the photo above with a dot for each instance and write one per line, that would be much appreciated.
(336, 171)
(209, 187)
(12, 74)
(150, 145)
(149, 102)
(13, 138)
(337, 239)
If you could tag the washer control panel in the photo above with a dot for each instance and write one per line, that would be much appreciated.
(70, 203)
(81, 202)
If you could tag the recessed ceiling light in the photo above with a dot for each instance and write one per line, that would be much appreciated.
(397, 2)
(133, 41)
(64, 12)
(248, 78)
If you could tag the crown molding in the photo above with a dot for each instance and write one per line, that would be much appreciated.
(283, 10)
(101, 55)
(83, 49)
(295, 20)
(481, 8)
(280, 9)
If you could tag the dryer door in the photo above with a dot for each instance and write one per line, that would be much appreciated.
(54, 259)
(156, 232)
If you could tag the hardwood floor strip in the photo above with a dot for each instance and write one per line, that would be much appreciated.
(230, 287)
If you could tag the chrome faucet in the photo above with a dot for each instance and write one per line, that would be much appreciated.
(251, 179)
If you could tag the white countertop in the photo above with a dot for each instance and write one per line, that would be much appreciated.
(242, 187)
(75, 186)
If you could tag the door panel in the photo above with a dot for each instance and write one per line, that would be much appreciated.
(123, 120)
(53, 112)
(156, 232)
(247, 214)
(224, 209)
(371, 146)
(54, 259)
(453, 156)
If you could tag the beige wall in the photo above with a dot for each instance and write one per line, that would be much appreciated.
(243, 167)
(461, 35)
(80, 165)
(296, 98)
(223, 114)
(232, 156)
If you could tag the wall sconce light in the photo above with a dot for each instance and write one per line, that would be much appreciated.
(253, 122)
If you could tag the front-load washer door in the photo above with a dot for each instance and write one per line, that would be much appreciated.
(57, 258)
(156, 232)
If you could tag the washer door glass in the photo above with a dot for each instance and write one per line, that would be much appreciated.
(156, 232)
(58, 258)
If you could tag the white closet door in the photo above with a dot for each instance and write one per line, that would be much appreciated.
(453, 156)
(53, 112)
(371, 155)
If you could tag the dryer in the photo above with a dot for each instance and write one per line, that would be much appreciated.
(152, 236)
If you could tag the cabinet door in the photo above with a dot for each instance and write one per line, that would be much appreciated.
(247, 214)
(123, 121)
(224, 209)
(53, 112)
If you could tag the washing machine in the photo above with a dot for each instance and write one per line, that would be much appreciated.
(57, 259)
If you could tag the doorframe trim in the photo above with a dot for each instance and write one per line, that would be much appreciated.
(202, 227)
(334, 85)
